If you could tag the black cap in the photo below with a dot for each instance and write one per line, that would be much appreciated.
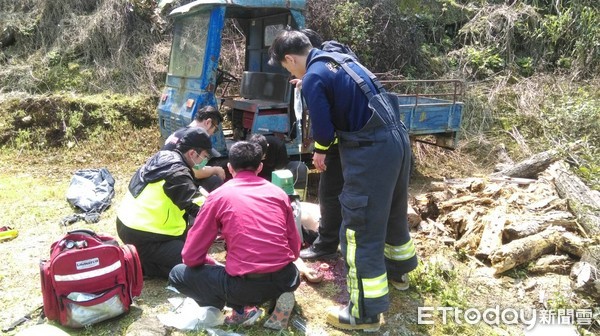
(196, 138)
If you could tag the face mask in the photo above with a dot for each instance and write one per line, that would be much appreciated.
(201, 165)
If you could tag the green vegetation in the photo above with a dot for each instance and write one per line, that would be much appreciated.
(86, 75)
(531, 65)
(60, 118)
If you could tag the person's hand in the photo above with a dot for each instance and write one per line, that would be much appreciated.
(318, 161)
(297, 82)
(219, 171)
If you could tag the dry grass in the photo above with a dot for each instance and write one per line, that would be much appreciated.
(122, 45)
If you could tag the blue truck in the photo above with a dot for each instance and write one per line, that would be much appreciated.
(266, 102)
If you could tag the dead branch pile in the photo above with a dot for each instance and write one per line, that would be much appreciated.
(547, 223)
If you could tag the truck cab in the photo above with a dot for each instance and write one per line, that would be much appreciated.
(265, 103)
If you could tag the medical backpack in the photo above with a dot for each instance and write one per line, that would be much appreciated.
(89, 278)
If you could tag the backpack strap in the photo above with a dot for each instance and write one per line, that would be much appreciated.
(342, 60)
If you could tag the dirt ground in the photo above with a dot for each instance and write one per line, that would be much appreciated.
(32, 198)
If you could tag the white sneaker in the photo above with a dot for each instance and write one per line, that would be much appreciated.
(402, 284)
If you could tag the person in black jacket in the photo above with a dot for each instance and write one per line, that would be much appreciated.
(208, 118)
(160, 202)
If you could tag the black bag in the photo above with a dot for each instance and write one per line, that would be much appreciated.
(91, 190)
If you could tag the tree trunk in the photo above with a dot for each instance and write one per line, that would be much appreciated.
(584, 203)
(572, 244)
(532, 166)
(523, 250)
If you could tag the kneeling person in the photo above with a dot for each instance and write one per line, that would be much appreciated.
(154, 213)
(255, 219)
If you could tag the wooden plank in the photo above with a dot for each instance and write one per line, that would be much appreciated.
(491, 238)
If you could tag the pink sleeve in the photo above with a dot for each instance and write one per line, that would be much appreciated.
(201, 236)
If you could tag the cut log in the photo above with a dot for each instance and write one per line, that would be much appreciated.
(529, 225)
(438, 186)
(585, 275)
(559, 264)
(584, 203)
(532, 166)
(572, 243)
(523, 250)
(491, 239)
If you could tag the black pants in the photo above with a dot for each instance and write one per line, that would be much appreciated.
(210, 183)
(210, 285)
(158, 253)
(331, 183)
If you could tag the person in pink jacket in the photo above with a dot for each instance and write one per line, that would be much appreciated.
(255, 219)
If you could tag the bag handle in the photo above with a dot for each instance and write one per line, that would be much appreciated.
(84, 231)
(77, 239)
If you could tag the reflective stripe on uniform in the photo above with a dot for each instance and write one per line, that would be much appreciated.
(375, 287)
(321, 147)
(399, 253)
(352, 278)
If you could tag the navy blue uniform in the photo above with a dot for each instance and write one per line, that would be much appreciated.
(375, 155)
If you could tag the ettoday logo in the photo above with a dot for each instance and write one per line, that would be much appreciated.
(509, 316)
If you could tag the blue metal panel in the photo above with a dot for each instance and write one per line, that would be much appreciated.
(279, 123)
(174, 112)
(297, 5)
(430, 115)
(298, 17)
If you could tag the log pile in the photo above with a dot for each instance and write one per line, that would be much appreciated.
(545, 218)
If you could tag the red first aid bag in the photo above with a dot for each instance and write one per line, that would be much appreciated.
(89, 278)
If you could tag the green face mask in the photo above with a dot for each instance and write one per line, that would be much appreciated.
(201, 164)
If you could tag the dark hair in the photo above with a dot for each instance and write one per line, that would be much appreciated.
(261, 140)
(208, 112)
(315, 39)
(288, 42)
(245, 155)
(194, 138)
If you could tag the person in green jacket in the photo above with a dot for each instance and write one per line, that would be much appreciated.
(159, 203)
